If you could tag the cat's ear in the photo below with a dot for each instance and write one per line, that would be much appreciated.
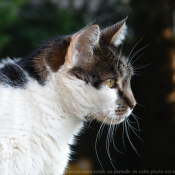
(115, 34)
(83, 42)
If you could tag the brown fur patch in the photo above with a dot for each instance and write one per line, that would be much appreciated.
(51, 54)
(56, 53)
(41, 67)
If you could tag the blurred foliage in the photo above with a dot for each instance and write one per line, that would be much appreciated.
(8, 18)
(23, 25)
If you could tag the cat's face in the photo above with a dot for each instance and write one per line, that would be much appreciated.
(98, 76)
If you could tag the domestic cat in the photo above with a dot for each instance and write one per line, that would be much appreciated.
(46, 96)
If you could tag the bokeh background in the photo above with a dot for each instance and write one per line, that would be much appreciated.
(25, 24)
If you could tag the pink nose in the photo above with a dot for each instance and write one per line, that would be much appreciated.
(133, 104)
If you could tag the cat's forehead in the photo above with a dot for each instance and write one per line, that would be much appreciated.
(105, 52)
(106, 62)
(109, 59)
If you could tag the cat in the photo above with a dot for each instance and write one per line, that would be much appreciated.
(46, 96)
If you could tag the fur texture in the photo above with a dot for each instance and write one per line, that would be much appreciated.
(46, 96)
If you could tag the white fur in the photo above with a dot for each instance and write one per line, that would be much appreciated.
(38, 123)
(119, 36)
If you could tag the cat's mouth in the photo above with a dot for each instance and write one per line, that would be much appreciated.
(113, 116)
(122, 113)
(122, 110)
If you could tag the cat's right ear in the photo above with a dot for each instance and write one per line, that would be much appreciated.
(82, 44)
(115, 34)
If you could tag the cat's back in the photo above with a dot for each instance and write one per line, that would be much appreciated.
(12, 74)
(12, 83)
(13, 89)
(13, 124)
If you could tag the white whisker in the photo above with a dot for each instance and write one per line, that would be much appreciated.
(93, 118)
(123, 138)
(132, 128)
(137, 59)
(108, 145)
(129, 122)
(130, 139)
(103, 123)
(136, 45)
(137, 53)
(140, 105)
(135, 117)
(115, 127)
(140, 66)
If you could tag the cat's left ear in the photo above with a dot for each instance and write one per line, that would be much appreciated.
(83, 43)
(115, 34)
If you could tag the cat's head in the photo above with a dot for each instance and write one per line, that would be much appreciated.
(96, 76)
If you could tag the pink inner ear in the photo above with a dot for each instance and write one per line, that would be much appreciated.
(78, 47)
(83, 42)
(118, 38)
(115, 33)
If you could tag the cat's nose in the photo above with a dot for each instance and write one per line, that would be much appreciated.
(130, 100)
(132, 104)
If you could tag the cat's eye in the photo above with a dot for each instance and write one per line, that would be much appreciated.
(110, 82)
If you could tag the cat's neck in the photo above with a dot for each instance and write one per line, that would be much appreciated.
(38, 113)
